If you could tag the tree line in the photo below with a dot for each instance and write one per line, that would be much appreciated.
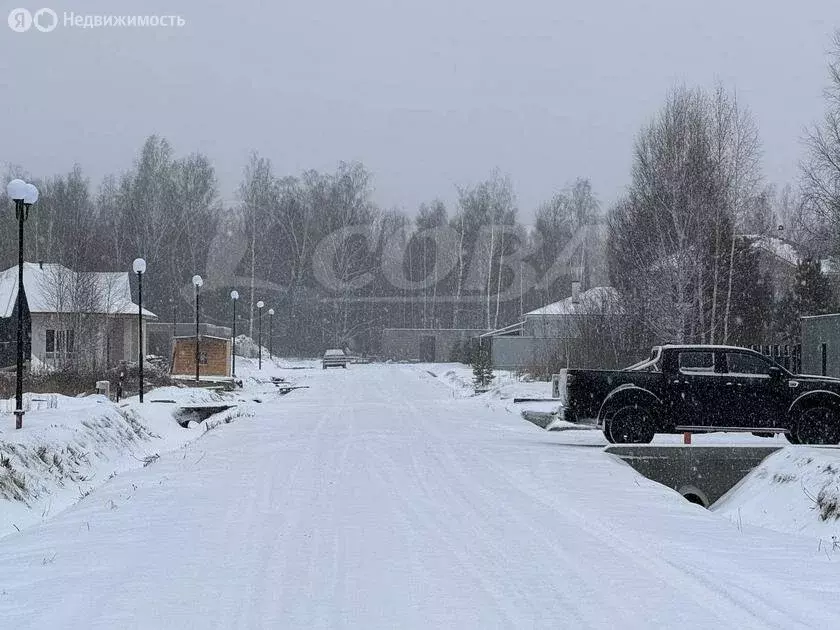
(314, 246)
(687, 244)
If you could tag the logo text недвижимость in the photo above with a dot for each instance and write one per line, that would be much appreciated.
(46, 20)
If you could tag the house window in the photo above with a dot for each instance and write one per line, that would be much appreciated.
(60, 342)
(69, 341)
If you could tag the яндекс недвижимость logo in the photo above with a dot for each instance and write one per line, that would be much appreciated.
(44, 20)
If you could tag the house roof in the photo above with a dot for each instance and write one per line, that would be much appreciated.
(511, 330)
(203, 337)
(775, 246)
(595, 301)
(786, 251)
(53, 288)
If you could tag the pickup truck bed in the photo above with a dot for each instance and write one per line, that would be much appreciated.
(586, 390)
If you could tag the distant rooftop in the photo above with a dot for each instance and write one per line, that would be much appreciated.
(787, 251)
(598, 300)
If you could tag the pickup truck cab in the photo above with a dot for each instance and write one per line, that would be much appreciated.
(703, 388)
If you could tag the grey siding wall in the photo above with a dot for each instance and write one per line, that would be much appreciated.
(516, 353)
(823, 329)
(404, 344)
(548, 326)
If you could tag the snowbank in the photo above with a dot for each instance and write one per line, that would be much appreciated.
(247, 348)
(506, 384)
(67, 449)
(256, 380)
(795, 490)
(456, 376)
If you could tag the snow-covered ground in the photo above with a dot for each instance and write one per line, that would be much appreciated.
(796, 490)
(63, 453)
(505, 387)
(70, 446)
(376, 499)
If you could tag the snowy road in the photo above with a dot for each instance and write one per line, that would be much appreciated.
(375, 499)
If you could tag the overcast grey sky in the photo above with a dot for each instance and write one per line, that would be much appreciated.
(427, 94)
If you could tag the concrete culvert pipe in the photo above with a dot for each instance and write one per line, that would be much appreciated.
(695, 495)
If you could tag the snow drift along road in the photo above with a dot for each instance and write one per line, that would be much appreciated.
(796, 490)
(375, 500)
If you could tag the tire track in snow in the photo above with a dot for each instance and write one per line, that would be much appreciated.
(746, 610)
(485, 508)
(469, 522)
(432, 531)
(739, 612)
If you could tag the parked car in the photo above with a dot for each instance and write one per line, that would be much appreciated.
(335, 358)
(701, 388)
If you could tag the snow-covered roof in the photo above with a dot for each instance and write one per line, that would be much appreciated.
(776, 246)
(595, 301)
(53, 288)
(512, 329)
(780, 249)
(786, 251)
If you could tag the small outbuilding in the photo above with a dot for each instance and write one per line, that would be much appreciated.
(214, 356)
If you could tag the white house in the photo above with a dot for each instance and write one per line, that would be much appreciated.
(584, 321)
(564, 318)
(79, 317)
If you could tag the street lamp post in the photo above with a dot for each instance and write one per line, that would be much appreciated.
(260, 305)
(270, 334)
(140, 268)
(24, 195)
(197, 282)
(234, 296)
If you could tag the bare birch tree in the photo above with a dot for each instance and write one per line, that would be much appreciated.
(736, 150)
(821, 167)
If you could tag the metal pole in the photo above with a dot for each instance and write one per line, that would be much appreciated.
(270, 337)
(197, 347)
(259, 340)
(19, 386)
(140, 329)
(233, 345)
(174, 332)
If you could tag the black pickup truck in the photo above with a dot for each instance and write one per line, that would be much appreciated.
(702, 388)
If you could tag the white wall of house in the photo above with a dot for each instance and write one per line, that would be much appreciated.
(123, 325)
(40, 323)
(131, 338)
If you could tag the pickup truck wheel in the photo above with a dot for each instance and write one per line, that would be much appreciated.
(817, 425)
(631, 425)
